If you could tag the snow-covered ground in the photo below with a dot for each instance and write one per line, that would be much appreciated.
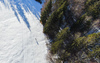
(21, 36)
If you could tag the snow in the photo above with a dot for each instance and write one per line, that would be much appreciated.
(18, 30)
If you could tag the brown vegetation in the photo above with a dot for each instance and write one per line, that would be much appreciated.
(77, 7)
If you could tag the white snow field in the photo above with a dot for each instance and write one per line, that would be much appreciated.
(21, 34)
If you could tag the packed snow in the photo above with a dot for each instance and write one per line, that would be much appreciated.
(21, 34)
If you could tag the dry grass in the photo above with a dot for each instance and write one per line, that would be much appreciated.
(77, 7)
(96, 23)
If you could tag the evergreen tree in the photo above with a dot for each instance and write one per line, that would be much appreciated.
(60, 38)
(45, 14)
(64, 43)
(54, 21)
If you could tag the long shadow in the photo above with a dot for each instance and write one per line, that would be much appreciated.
(15, 12)
(20, 11)
(28, 5)
(32, 6)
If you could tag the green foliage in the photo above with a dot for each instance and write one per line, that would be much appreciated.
(66, 50)
(56, 46)
(93, 38)
(65, 44)
(80, 20)
(64, 55)
(95, 52)
(43, 17)
(93, 8)
(58, 3)
(53, 23)
(50, 26)
(48, 7)
(90, 2)
(79, 25)
(64, 34)
(63, 7)
(78, 44)
(46, 12)
(83, 43)
(61, 36)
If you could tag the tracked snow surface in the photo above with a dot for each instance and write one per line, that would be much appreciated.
(21, 34)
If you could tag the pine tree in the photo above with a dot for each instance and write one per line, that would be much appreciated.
(54, 21)
(46, 12)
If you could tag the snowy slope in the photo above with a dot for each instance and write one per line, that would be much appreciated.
(21, 37)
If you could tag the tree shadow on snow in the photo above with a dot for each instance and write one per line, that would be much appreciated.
(28, 5)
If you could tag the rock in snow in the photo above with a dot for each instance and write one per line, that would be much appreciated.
(21, 34)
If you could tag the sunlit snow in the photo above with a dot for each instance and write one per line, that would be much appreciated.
(21, 34)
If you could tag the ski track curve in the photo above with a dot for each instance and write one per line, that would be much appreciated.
(21, 34)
